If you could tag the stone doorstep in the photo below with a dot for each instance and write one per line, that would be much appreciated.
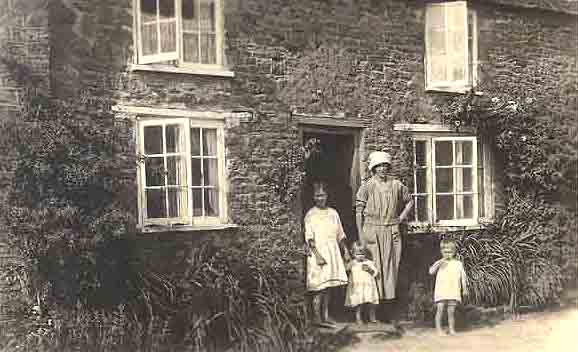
(372, 329)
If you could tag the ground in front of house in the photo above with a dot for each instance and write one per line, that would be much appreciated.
(531, 332)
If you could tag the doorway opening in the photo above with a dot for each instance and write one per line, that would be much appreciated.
(336, 163)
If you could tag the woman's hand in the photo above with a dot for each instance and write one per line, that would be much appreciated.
(367, 268)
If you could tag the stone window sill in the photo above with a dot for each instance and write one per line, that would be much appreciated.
(424, 229)
(222, 72)
(185, 228)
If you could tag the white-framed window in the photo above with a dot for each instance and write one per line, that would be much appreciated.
(182, 171)
(188, 33)
(450, 46)
(452, 181)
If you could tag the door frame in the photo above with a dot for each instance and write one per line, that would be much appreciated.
(335, 125)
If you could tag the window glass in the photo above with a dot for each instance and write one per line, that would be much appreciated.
(444, 153)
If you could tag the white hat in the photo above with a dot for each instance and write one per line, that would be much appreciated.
(376, 158)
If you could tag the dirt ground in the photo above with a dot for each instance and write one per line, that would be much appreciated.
(531, 332)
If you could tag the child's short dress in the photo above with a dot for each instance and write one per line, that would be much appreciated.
(362, 287)
(449, 282)
(324, 227)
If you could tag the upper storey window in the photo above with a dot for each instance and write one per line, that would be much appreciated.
(451, 46)
(181, 32)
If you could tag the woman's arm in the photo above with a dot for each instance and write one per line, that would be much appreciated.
(360, 203)
(408, 207)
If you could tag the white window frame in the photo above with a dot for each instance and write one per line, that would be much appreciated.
(488, 205)
(177, 56)
(471, 50)
(192, 120)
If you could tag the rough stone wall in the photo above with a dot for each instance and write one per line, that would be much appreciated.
(24, 54)
(363, 58)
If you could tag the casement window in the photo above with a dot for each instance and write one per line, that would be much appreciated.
(182, 179)
(183, 32)
(452, 183)
(450, 46)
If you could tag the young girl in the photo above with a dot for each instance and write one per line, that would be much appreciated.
(362, 288)
(451, 283)
(325, 238)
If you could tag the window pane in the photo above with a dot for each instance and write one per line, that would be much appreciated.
(422, 206)
(176, 171)
(169, 36)
(197, 202)
(149, 39)
(207, 16)
(421, 181)
(148, 9)
(153, 140)
(437, 44)
(420, 153)
(211, 202)
(156, 206)
(196, 172)
(210, 172)
(209, 142)
(463, 153)
(195, 141)
(208, 49)
(155, 171)
(177, 202)
(465, 207)
(435, 16)
(167, 9)
(444, 180)
(464, 180)
(191, 47)
(173, 134)
(444, 153)
(189, 13)
(445, 207)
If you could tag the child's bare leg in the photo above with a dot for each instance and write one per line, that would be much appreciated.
(317, 308)
(358, 319)
(451, 318)
(439, 316)
(325, 306)
(372, 308)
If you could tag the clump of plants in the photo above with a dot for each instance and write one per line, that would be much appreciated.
(517, 259)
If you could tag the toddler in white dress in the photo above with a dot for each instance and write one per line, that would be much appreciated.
(362, 288)
(451, 283)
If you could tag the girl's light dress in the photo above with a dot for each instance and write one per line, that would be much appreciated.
(449, 281)
(324, 227)
(362, 287)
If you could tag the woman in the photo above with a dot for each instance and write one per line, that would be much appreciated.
(382, 204)
(325, 237)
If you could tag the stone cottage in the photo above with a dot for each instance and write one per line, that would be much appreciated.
(219, 89)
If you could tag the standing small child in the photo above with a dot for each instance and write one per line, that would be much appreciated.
(362, 288)
(451, 283)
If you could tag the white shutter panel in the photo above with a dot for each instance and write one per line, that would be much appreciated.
(157, 30)
(457, 43)
(436, 49)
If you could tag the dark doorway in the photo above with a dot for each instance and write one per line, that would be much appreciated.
(333, 164)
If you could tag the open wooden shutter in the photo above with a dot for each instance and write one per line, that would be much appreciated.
(457, 42)
(157, 30)
(436, 50)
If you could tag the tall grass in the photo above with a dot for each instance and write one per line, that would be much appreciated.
(245, 296)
